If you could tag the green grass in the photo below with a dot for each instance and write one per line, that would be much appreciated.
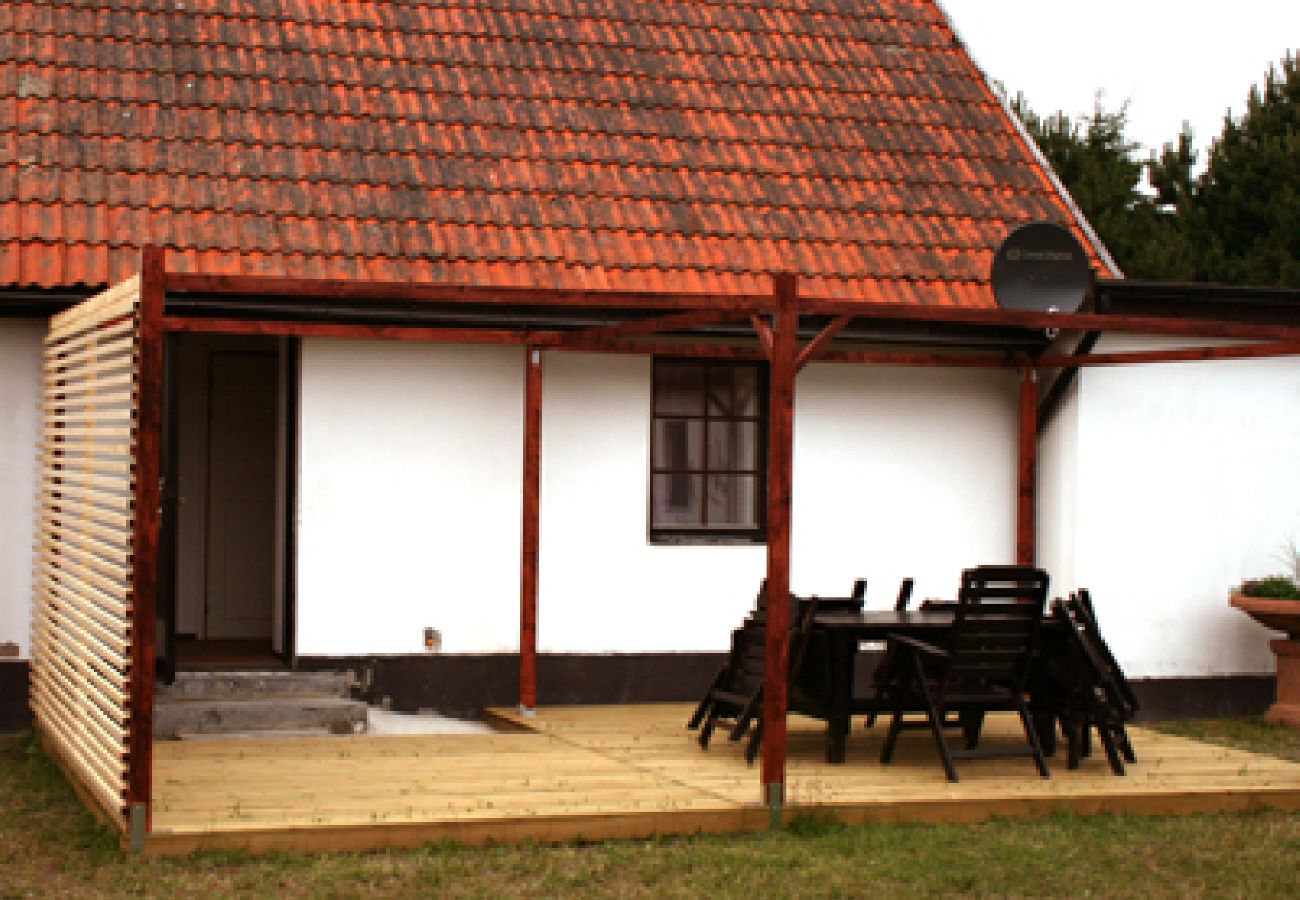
(1250, 733)
(50, 847)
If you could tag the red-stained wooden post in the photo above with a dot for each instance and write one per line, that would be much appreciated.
(780, 452)
(1027, 470)
(531, 529)
(144, 543)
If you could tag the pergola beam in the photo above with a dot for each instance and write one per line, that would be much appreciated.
(528, 569)
(1185, 354)
(824, 337)
(1027, 470)
(1013, 318)
(258, 286)
(764, 332)
(652, 325)
(144, 538)
(780, 452)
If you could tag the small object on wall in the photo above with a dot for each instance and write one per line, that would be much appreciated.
(8, 649)
(432, 640)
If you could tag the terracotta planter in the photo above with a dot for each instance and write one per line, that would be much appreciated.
(1280, 615)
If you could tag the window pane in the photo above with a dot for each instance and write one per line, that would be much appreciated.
(733, 501)
(720, 402)
(679, 389)
(746, 396)
(678, 444)
(677, 500)
(733, 445)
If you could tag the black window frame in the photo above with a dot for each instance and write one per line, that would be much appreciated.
(703, 533)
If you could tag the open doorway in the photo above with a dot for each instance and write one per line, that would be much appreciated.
(234, 431)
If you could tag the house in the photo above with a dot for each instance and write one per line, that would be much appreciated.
(356, 502)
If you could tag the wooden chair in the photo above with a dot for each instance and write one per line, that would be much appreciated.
(736, 691)
(983, 667)
(1083, 686)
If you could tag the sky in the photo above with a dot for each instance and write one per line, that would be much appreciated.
(1172, 60)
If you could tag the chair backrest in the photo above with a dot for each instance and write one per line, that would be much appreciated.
(859, 589)
(995, 626)
(904, 594)
(1082, 611)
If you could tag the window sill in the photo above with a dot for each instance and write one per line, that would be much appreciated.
(706, 539)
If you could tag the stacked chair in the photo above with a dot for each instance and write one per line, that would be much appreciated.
(1082, 682)
(735, 697)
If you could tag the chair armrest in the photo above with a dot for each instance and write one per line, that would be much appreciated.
(911, 643)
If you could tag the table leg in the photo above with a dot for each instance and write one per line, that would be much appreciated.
(843, 648)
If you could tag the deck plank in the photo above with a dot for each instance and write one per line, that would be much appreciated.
(636, 771)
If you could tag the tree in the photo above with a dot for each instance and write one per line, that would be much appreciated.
(1247, 202)
(1098, 166)
(1237, 223)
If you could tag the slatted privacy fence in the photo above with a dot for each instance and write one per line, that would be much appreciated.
(81, 631)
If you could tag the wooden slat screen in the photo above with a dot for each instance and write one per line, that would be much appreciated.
(81, 634)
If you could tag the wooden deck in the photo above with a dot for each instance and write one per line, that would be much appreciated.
(635, 771)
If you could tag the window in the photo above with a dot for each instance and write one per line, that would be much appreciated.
(708, 439)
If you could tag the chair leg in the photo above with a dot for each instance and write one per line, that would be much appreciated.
(1031, 734)
(706, 731)
(746, 716)
(1125, 746)
(703, 709)
(891, 737)
(755, 739)
(936, 728)
(972, 723)
(1072, 727)
(1107, 735)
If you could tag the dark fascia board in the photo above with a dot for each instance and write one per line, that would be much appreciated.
(41, 302)
(1255, 303)
(569, 319)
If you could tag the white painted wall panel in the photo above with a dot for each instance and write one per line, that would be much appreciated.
(1058, 470)
(1187, 483)
(20, 368)
(410, 497)
(604, 587)
(896, 473)
(901, 472)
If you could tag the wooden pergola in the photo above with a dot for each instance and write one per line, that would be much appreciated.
(784, 328)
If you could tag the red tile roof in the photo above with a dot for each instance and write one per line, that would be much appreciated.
(667, 145)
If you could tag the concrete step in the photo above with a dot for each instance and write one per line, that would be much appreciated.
(223, 716)
(203, 686)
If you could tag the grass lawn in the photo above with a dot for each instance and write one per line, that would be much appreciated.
(49, 846)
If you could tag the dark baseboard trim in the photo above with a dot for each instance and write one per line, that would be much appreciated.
(15, 714)
(1198, 698)
(465, 685)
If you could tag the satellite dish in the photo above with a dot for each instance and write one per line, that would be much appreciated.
(1041, 267)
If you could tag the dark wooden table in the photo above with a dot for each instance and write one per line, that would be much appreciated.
(842, 632)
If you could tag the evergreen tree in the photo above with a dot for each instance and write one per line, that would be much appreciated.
(1238, 223)
(1098, 166)
(1247, 202)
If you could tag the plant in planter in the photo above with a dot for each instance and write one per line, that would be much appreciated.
(1274, 602)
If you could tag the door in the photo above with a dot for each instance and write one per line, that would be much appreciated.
(242, 451)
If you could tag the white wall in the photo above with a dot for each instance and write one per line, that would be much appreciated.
(1057, 500)
(20, 366)
(411, 479)
(603, 586)
(1187, 483)
(902, 472)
